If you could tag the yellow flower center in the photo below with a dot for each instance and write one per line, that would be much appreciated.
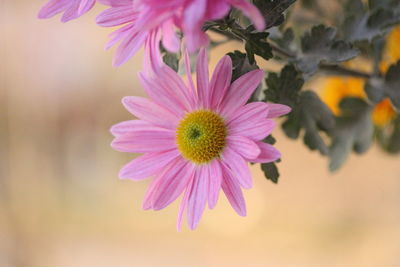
(200, 136)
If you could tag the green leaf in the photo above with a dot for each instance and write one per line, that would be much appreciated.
(273, 10)
(285, 88)
(362, 24)
(256, 44)
(320, 45)
(240, 64)
(312, 115)
(286, 39)
(378, 88)
(353, 131)
(171, 59)
(270, 171)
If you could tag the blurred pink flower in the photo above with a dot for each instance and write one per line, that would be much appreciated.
(142, 18)
(72, 9)
(196, 139)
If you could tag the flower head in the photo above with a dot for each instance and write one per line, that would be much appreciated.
(144, 18)
(198, 139)
(72, 9)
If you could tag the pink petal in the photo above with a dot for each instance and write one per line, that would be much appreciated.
(116, 16)
(52, 8)
(244, 146)
(277, 110)
(254, 130)
(202, 79)
(115, 3)
(152, 61)
(193, 19)
(151, 18)
(171, 41)
(221, 80)
(188, 71)
(184, 203)
(254, 111)
(268, 153)
(233, 193)
(128, 47)
(151, 190)
(126, 127)
(174, 84)
(215, 178)
(147, 165)
(217, 9)
(71, 13)
(162, 95)
(118, 35)
(240, 91)
(195, 40)
(149, 111)
(197, 198)
(175, 179)
(238, 167)
(85, 6)
(251, 12)
(145, 141)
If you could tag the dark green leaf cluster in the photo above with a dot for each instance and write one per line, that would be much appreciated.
(309, 112)
(356, 29)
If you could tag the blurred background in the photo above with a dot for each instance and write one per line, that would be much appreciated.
(62, 204)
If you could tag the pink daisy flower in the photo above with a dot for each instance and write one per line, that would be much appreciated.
(143, 18)
(196, 140)
(72, 9)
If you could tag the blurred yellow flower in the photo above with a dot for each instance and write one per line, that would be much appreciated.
(392, 50)
(337, 88)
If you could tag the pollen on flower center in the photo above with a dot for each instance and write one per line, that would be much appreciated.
(201, 135)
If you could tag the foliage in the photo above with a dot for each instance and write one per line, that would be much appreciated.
(307, 51)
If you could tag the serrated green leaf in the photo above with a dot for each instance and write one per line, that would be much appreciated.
(273, 11)
(378, 88)
(270, 171)
(320, 45)
(256, 44)
(240, 64)
(312, 115)
(285, 88)
(353, 131)
(286, 39)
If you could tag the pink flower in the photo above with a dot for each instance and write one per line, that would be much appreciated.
(72, 9)
(196, 140)
(142, 18)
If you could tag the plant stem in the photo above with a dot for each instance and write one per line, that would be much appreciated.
(334, 69)
(237, 35)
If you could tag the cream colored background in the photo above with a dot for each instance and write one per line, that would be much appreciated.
(62, 204)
